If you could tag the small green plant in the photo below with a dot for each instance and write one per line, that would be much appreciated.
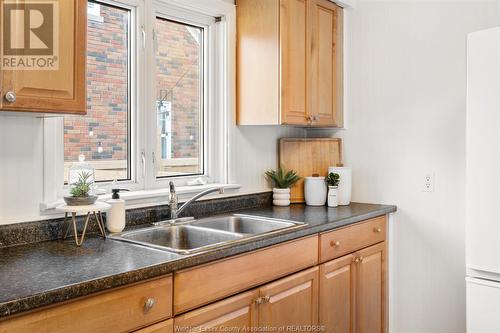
(282, 178)
(333, 179)
(81, 188)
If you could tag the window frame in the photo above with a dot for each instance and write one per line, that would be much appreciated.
(219, 70)
(205, 23)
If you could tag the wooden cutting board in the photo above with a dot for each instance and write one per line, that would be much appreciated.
(308, 157)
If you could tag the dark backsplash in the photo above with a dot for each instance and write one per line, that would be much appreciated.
(39, 231)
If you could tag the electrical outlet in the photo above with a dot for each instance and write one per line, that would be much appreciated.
(428, 182)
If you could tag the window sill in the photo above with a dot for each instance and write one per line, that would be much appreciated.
(146, 198)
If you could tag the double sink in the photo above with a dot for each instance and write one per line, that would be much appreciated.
(194, 236)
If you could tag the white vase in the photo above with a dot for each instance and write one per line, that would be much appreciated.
(333, 196)
(281, 196)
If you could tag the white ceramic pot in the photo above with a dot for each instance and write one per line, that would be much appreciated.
(345, 184)
(333, 198)
(315, 191)
(281, 196)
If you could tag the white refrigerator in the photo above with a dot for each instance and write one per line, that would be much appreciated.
(483, 182)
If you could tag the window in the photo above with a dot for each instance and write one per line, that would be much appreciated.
(158, 83)
(103, 135)
(179, 98)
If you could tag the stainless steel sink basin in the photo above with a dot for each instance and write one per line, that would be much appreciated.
(191, 236)
(180, 238)
(243, 224)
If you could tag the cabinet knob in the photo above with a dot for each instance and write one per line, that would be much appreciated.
(267, 299)
(148, 305)
(377, 229)
(334, 244)
(10, 97)
(356, 260)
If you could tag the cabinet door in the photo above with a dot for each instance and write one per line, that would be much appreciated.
(166, 326)
(60, 87)
(235, 312)
(370, 289)
(294, 55)
(336, 295)
(326, 63)
(291, 301)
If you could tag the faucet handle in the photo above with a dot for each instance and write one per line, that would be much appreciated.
(172, 187)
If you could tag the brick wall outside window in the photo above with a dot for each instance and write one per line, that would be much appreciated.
(107, 90)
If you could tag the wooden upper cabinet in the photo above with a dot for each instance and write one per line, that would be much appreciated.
(326, 63)
(294, 39)
(289, 63)
(58, 85)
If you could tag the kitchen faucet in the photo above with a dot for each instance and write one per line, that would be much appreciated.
(174, 211)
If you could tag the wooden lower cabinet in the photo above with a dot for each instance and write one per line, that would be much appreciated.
(370, 290)
(238, 311)
(121, 310)
(352, 292)
(292, 301)
(288, 302)
(166, 326)
(335, 295)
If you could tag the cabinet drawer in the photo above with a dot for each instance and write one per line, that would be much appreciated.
(122, 310)
(202, 285)
(337, 243)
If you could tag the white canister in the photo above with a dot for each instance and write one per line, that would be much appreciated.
(281, 196)
(345, 184)
(333, 196)
(315, 191)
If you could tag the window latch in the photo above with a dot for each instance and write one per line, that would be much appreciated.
(143, 37)
(143, 157)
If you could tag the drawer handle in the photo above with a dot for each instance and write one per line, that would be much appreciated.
(258, 301)
(10, 97)
(148, 305)
(334, 244)
(377, 229)
(357, 260)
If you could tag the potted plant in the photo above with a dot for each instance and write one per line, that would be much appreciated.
(80, 190)
(282, 181)
(332, 180)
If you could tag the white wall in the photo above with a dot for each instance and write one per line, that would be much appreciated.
(405, 99)
(21, 168)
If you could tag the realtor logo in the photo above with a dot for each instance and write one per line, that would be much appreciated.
(30, 35)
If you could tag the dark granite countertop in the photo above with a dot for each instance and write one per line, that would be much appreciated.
(40, 274)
